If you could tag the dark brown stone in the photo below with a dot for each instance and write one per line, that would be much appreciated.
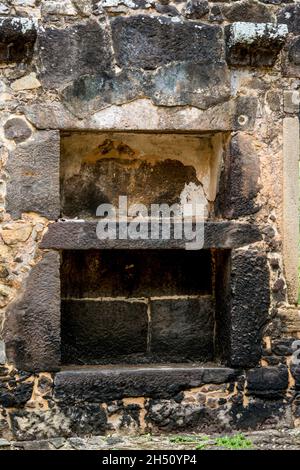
(86, 50)
(239, 183)
(109, 384)
(32, 326)
(70, 235)
(183, 328)
(267, 382)
(149, 42)
(248, 308)
(103, 331)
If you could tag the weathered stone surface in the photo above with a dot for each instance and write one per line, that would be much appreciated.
(103, 331)
(65, 8)
(248, 10)
(17, 129)
(149, 42)
(215, 14)
(291, 98)
(294, 52)
(283, 347)
(290, 199)
(235, 114)
(267, 382)
(239, 182)
(291, 57)
(2, 352)
(28, 82)
(176, 84)
(32, 326)
(295, 371)
(86, 51)
(254, 44)
(70, 235)
(289, 320)
(182, 329)
(34, 176)
(290, 15)
(16, 396)
(168, 10)
(14, 233)
(196, 9)
(249, 307)
(4, 9)
(102, 181)
(113, 384)
(133, 273)
(261, 414)
(189, 83)
(17, 38)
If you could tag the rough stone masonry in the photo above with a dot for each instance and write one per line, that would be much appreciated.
(173, 100)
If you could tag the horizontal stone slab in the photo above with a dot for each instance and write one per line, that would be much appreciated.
(141, 114)
(114, 383)
(81, 235)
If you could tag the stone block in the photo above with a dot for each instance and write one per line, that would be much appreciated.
(103, 331)
(291, 99)
(17, 129)
(86, 51)
(149, 42)
(248, 11)
(242, 306)
(17, 38)
(290, 185)
(33, 169)
(71, 235)
(2, 352)
(32, 325)
(254, 44)
(174, 84)
(109, 384)
(196, 9)
(249, 307)
(239, 181)
(267, 382)
(182, 329)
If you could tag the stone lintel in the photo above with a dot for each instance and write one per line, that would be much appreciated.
(81, 235)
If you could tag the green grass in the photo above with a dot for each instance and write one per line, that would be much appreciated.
(236, 442)
(188, 439)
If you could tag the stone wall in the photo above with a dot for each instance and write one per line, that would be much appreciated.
(177, 67)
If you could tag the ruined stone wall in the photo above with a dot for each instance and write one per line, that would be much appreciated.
(152, 66)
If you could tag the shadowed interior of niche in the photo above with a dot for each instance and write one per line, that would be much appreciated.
(137, 306)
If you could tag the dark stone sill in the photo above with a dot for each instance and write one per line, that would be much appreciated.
(108, 383)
